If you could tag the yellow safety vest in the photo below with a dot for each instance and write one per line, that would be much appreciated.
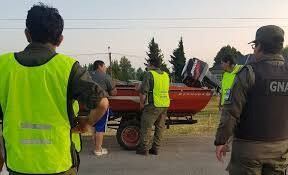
(36, 127)
(161, 89)
(227, 83)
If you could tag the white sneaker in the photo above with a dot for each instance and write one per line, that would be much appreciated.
(103, 151)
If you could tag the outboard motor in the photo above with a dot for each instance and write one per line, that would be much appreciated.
(196, 74)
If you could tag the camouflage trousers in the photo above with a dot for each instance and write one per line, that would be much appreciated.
(244, 166)
(152, 116)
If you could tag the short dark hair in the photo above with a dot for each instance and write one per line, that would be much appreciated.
(229, 58)
(155, 62)
(270, 47)
(44, 24)
(97, 64)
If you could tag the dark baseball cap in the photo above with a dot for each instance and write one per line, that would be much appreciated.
(269, 34)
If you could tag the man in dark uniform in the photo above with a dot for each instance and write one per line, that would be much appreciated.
(256, 111)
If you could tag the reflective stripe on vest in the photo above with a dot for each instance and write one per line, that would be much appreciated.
(227, 83)
(161, 89)
(76, 138)
(36, 126)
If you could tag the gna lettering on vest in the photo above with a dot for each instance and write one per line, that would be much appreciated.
(279, 86)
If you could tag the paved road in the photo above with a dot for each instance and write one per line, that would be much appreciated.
(179, 156)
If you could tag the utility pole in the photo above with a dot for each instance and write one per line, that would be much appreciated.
(110, 61)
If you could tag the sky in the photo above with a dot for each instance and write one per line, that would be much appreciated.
(127, 26)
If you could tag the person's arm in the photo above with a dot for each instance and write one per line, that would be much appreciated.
(220, 106)
(113, 92)
(89, 93)
(232, 109)
(219, 103)
(98, 112)
(111, 87)
(142, 100)
(144, 89)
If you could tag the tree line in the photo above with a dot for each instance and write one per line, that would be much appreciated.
(124, 71)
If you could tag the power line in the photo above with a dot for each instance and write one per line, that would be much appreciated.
(72, 28)
(160, 19)
(128, 55)
(128, 28)
(113, 53)
(87, 54)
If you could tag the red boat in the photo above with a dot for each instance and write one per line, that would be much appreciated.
(185, 102)
(183, 99)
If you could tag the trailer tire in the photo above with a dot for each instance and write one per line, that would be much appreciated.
(128, 134)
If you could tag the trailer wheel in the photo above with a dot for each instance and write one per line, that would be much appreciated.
(128, 134)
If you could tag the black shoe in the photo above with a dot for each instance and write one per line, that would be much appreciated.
(153, 151)
(142, 152)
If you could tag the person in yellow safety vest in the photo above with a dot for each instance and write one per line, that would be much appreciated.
(155, 91)
(230, 70)
(37, 89)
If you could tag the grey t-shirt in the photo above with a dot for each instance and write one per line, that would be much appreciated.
(103, 80)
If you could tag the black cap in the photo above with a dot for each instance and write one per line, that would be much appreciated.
(269, 34)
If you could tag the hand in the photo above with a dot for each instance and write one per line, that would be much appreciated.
(79, 129)
(221, 152)
(141, 105)
(82, 125)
